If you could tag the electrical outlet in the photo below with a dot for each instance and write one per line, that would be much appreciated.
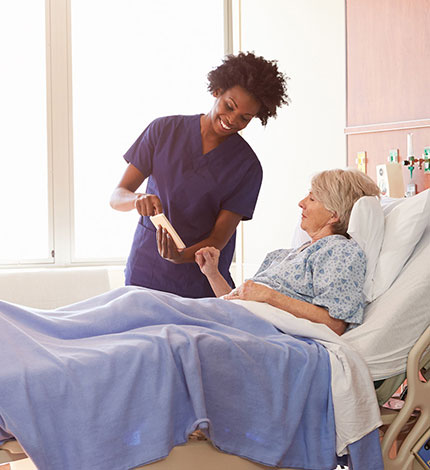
(394, 156)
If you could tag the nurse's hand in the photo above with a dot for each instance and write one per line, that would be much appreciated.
(148, 204)
(207, 258)
(250, 290)
(167, 247)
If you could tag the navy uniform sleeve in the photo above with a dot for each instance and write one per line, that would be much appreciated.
(141, 153)
(338, 278)
(244, 198)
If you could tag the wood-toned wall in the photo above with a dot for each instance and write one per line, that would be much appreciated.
(388, 80)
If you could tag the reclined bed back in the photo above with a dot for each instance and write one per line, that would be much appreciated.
(396, 320)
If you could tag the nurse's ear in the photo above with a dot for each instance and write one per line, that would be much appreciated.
(217, 93)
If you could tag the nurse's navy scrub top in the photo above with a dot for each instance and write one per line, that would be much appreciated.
(193, 188)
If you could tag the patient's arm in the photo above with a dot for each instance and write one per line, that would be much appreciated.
(251, 290)
(207, 259)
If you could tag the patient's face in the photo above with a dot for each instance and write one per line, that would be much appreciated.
(315, 217)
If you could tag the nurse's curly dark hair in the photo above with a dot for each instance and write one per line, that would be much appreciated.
(258, 76)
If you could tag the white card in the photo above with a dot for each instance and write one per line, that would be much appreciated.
(161, 219)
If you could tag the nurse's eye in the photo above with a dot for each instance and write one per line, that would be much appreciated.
(245, 119)
(229, 107)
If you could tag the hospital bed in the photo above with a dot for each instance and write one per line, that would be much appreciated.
(402, 311)
(198, 453)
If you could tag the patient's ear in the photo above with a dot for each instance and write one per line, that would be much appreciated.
(334, 219)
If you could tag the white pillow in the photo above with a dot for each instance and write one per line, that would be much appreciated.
(299, 236)
(366, 227)
(389, 203)
(404, 226)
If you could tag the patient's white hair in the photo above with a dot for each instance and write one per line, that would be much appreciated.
(338, 190)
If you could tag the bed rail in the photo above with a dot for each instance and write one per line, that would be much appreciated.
(418, 398)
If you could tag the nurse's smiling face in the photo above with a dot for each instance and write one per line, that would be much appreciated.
(232, 111)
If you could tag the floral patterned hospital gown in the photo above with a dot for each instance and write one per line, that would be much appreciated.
(328, 273)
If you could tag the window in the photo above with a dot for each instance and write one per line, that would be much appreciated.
(25, 235)
(113, 66)
(132, 61)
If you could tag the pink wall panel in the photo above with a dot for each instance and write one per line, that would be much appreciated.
(388, 60)
(388, 80)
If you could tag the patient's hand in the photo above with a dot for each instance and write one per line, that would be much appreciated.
(207, 258)
(250, 290)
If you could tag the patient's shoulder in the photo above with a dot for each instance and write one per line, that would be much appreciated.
(277, 255)
(339, 246)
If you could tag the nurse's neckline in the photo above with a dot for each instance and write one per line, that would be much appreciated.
(208, 146)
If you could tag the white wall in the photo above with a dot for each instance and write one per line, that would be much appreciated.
(307, 37)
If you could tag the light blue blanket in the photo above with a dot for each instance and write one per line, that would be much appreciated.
(118, 380)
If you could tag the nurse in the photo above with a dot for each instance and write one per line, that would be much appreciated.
(201, 174)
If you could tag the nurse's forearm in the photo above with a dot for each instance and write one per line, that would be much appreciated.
(123, 200)
(188, 255)
(223, 230)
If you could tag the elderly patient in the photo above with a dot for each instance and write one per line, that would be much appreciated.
(322, 280)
